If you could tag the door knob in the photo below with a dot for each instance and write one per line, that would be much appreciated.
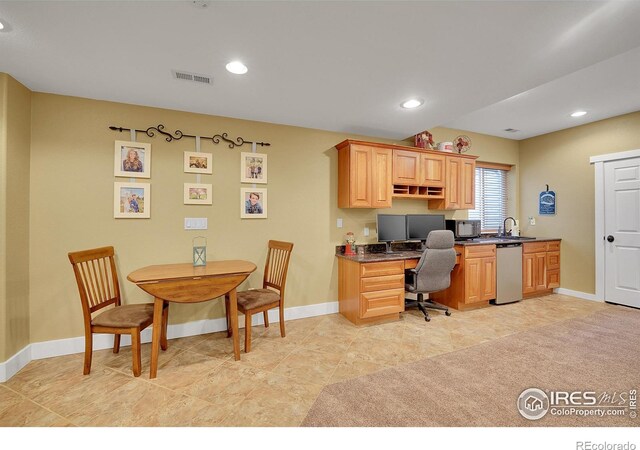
(610, 238)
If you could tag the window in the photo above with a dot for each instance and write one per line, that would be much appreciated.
(491, 196)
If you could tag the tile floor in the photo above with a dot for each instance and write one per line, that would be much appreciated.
(199, 383)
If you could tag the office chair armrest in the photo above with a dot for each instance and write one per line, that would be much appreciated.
(412, 273)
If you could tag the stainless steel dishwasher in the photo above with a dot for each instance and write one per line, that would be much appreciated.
(508, 272)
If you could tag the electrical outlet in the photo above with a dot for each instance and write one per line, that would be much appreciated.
(532, 220)
(366, 231)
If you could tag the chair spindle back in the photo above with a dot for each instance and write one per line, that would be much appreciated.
(97, 278)
(275, 271)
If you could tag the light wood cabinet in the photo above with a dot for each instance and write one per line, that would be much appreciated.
(473, 281)
(540, 268)
(371, 174)
(412, 168)
(459, 192)
(364, 176)
(370, 292)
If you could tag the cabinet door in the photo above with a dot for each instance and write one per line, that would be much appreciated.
(467, 184)
(406, 167)
(488, 291)
(453, 168)
(473, 280)
(528, 275)
(540, 270)
(432, 169)
(360, 177)
(381, 186)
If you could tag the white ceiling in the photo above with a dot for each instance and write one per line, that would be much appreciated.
(340, 65)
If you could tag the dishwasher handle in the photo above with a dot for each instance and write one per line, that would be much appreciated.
(510, 244)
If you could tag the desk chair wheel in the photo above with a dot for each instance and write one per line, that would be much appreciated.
(447, 313)
(427, 319)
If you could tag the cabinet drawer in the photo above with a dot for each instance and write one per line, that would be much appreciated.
(553, 246)
(553, 279)
(378, 269)
(553, 260)
(382, 283)
(380, 303)
(534, 247)
(479, 251)
(410, 263)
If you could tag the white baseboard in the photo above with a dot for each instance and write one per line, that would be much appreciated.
(60, 347)
(578, 294)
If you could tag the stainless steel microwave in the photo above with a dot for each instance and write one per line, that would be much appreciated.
(464, 229)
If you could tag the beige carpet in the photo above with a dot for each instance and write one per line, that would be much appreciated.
(480, 385)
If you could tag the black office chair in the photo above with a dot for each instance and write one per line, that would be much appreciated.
(433, 272)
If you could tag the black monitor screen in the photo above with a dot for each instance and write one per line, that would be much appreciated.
(392, 228)
(420, 225)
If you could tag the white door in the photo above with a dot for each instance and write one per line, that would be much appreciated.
(622, 231)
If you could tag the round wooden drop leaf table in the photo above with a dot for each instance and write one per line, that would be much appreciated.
(185, 283)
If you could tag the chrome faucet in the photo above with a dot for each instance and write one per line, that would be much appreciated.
(504, 226)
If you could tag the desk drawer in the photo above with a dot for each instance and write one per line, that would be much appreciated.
(382, 283)
(378, 269)
(553, 260)
(410, 263)
(380, 303)
(479, 251)
(534, 247)
(553, 246)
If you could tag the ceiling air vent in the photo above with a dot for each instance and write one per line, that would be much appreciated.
(182, 75)
(511, 130)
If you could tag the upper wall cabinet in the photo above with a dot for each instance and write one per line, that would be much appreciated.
(370, 174)
(460, 173)
(364, 176)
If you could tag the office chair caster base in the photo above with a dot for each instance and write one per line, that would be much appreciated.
(447, 313)
(427, 319)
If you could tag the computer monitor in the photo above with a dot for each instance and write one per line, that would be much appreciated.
(391, 227)
(420, 225)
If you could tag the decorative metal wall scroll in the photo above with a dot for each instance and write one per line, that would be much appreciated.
(177, 135)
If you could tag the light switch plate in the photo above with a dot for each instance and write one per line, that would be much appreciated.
(339, 223)
(366, 231)
(191, 223)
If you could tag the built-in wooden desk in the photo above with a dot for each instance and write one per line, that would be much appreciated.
(371, 286)
(184, 283)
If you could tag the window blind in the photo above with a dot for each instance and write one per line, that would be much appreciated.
(491, 198)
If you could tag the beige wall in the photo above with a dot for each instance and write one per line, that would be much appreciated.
(561, 159)
(14, 215)
(72, 197)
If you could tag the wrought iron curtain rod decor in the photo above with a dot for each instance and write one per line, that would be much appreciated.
(177, 135)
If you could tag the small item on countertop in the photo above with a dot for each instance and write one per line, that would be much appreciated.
(515, 230)
(351, 239)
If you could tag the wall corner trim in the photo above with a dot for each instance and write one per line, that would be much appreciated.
(61, 347)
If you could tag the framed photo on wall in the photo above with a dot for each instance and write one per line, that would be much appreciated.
(253, 203)
(198, 194)
(132, 159)
(195, 162)
(131, 200)
(253, 168)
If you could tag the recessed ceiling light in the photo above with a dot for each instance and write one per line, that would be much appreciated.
(412, 103)
(1, 26)
(237, 67)
(578, 114)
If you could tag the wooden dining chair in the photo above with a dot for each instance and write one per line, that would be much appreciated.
(270, 296)
(97, 279)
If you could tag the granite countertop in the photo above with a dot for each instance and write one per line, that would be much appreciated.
(409, 250)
